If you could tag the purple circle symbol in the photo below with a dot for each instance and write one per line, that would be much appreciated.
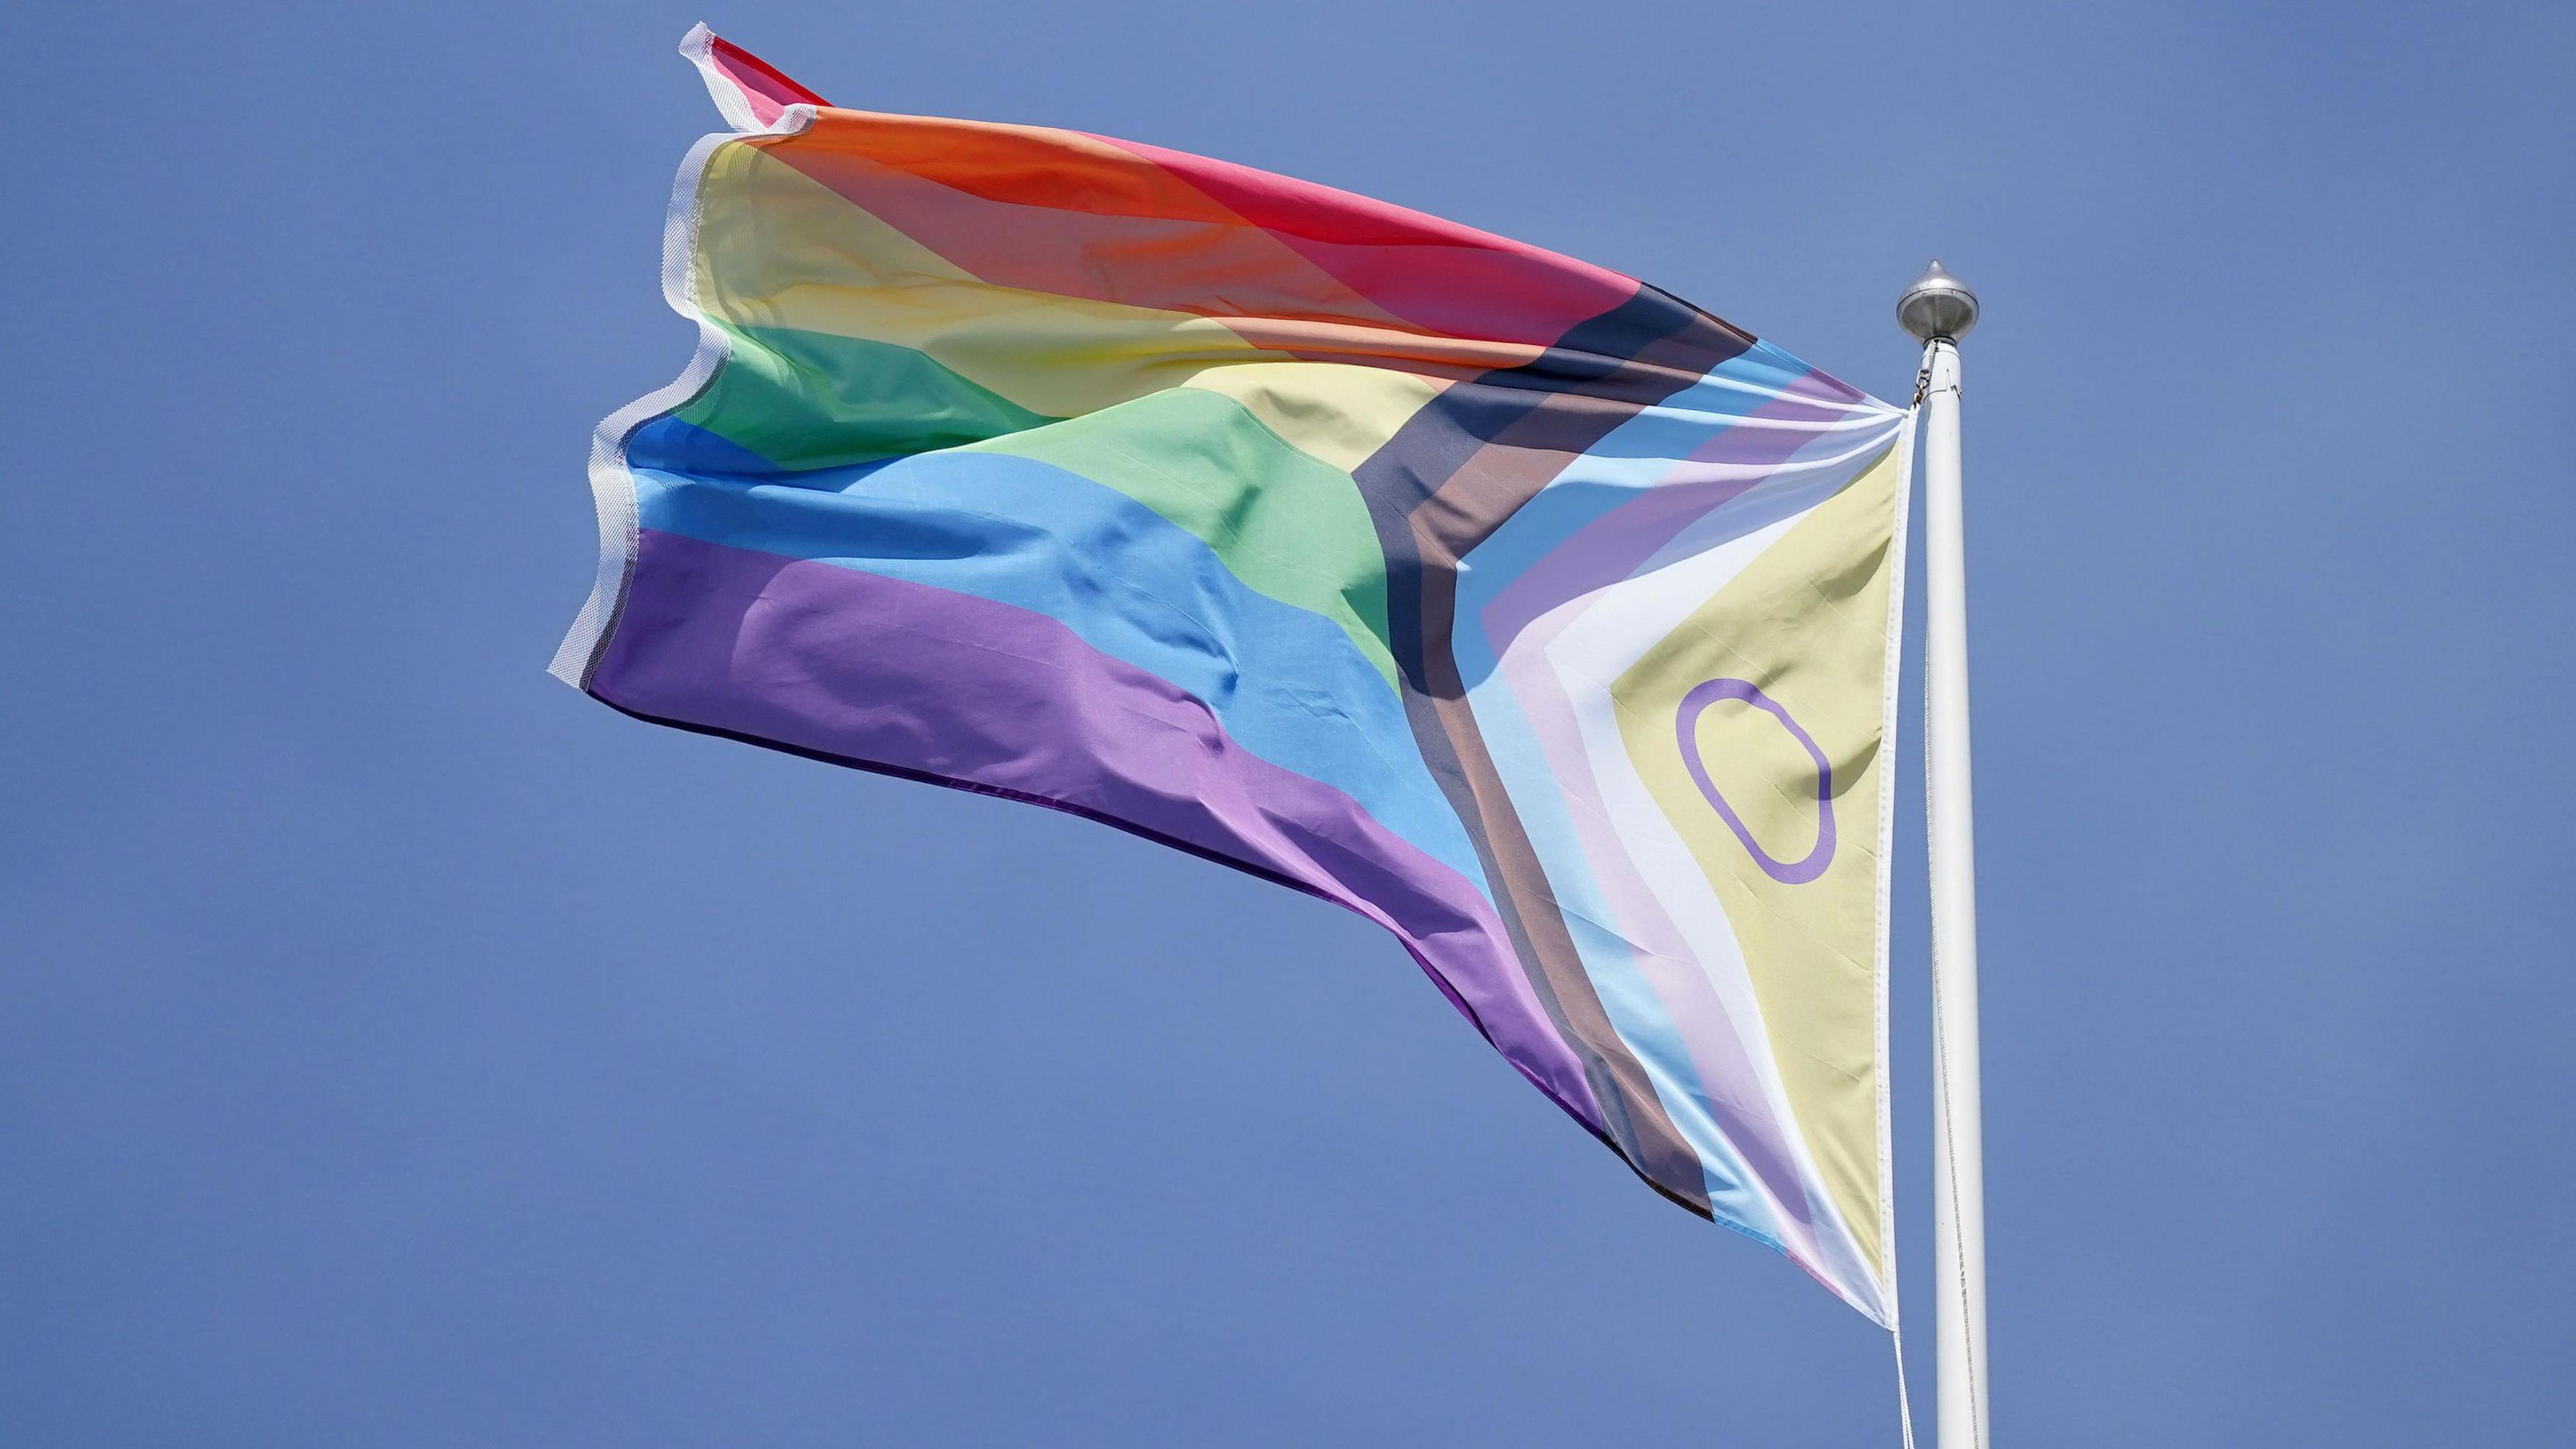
(1686, 727)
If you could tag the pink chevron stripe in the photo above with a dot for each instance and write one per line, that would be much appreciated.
(1736, 1100)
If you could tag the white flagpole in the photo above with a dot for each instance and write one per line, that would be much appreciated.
(1938, 310)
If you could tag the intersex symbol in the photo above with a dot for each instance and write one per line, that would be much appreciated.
(1686, 725)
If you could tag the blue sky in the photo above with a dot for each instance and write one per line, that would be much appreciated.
(396, 1048)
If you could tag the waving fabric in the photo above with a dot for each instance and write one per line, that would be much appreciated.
(1536, 615)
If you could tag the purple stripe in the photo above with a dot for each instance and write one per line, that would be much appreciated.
(891, 675)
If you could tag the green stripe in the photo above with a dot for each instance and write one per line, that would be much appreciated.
(814, 400)
(1286, 524)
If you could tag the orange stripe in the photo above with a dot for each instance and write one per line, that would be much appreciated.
(1029, 165)
(1210, 265)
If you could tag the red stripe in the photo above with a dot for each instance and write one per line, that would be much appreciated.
(1437, 275)
(1434, 273)
(765, 88)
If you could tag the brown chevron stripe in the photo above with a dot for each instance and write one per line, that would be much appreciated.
(1451, 476)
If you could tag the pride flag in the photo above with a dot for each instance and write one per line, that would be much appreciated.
(1527, 610)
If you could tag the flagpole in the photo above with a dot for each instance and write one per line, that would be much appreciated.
(1938, 309)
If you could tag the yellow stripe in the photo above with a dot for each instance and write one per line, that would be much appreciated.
(778, 249)
(1334, 412)
(1806, 621)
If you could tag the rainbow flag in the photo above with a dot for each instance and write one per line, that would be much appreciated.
(1539, 616)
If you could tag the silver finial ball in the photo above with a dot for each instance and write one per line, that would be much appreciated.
(1937, 305)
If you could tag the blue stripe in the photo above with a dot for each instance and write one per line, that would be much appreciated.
(1631, 460)
(1286, 683)
(669, 444)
